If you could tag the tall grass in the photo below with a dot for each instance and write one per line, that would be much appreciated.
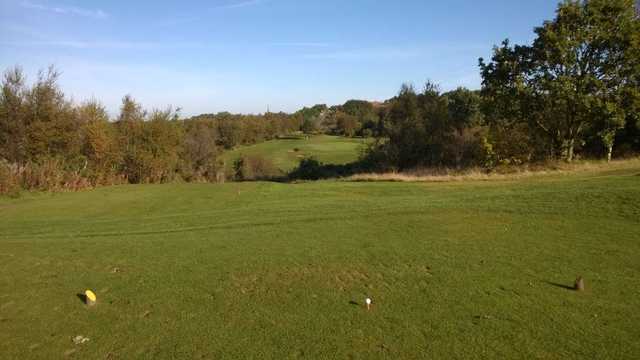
(50, 174)
(501, 173)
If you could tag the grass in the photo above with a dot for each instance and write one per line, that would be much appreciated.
(470, 269)
(287, 153)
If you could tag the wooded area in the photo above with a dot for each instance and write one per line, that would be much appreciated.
(573, 92)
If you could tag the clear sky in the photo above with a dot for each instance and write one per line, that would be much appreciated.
(245, 55)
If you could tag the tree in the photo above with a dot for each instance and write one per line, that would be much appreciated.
(163, 141)
(312, 118)
(229, 130)
(60, 144)
(99, 141)
(51, 124)
(572, 76)
(405, 130)
(130, 111)
(465, 131)
(365, 114)
(12, 111)
(309, 126)
(346, 124)
(464, 108)
(433, 129)
(200, 150)
(130, 126)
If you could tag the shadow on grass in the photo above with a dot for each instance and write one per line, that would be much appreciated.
(353, 302)
(312, 169)
(293, 137)
(82, 298)
(562, 286)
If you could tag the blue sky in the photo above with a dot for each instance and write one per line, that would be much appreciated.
(245, 55)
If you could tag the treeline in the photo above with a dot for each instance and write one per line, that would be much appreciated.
(237, 129)
(431, 128)
(354, 118)
(574, 92)
(47, 142)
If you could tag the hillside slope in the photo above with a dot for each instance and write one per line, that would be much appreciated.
(286, 153)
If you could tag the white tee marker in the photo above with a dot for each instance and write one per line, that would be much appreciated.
(368, 302)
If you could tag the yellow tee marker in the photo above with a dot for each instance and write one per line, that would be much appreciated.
(91, 297)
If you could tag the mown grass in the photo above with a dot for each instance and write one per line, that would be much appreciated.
(263, 270)
(287, 153)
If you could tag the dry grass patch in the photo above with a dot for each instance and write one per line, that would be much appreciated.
(503, 173)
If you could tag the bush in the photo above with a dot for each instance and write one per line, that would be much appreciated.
(51, 174)
(255, 167)
(9, 179)
(308, 169)
(468, 148)
(48, 174)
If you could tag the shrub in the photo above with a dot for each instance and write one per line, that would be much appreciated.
(308, 169)
(255, 167)
(9, 179)
(48, 174)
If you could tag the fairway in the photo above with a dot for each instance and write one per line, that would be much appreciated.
(281, 271)
(287, 153)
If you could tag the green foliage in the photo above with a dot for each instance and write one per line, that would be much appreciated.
(575, 91)
(200, 153)
(99, 144)
(347, 124)
(255, 167)
(12, 116)
(433, 129)
(366, 117)
(311, 118)
(235, 130)
(575, 78)
(309, 126)
(48, 119)
(151, 143)
(464, 108)
(44, 134)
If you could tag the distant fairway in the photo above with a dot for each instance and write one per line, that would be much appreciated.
(287, 153)
(281, 271)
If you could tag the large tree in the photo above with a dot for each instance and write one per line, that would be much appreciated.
(574, 77)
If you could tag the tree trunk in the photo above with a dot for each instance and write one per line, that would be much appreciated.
(570, 151)
(609, 152)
